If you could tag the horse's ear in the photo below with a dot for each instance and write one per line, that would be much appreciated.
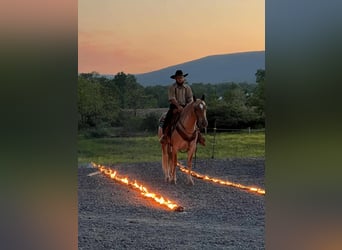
(203, 97)
(194, 97)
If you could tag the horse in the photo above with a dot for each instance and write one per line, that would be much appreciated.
(183, 137)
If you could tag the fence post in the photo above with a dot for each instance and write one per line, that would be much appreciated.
(212, 155)
(249, 130)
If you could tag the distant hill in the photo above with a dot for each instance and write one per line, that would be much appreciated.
(237, 67)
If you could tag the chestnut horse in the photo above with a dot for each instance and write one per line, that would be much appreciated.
(183, 137)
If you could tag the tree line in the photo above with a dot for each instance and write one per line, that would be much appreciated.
(102, 101)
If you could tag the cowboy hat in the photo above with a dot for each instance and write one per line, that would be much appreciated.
(178, 73)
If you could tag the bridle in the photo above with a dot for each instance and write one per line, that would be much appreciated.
(200, 109)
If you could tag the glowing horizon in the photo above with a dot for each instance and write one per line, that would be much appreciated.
(143, 36)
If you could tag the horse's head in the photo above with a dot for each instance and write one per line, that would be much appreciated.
(201, 112)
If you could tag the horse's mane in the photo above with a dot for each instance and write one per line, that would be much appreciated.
(190, 105)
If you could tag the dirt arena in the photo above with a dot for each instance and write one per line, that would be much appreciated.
(113, 216)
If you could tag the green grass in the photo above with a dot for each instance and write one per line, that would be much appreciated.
(147, 149)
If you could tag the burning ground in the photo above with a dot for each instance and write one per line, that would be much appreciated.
(114, 216)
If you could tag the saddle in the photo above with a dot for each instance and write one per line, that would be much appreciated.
(172, 126)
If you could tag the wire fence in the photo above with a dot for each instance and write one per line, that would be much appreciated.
(245, 130)
(227, 143)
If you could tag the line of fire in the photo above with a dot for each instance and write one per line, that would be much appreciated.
(226, 183)
(138, 187)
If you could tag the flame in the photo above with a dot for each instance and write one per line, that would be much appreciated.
(135, 185)
(226, 183)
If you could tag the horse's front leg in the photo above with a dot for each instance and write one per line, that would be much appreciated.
(191, 152)
(189, 164)
(173, 167)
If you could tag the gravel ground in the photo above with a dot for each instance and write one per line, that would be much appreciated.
(113, 216)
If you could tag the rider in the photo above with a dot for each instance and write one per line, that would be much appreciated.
(180, 94)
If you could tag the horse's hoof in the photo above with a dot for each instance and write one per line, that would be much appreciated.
(172, 182)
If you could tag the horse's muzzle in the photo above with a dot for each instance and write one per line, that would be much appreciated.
(202, 123)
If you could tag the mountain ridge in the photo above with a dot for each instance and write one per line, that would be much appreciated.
(234, 67)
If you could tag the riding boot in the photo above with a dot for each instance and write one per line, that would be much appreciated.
(163, 138)
(200, 139)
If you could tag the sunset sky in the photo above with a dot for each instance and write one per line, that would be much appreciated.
(138, 36)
